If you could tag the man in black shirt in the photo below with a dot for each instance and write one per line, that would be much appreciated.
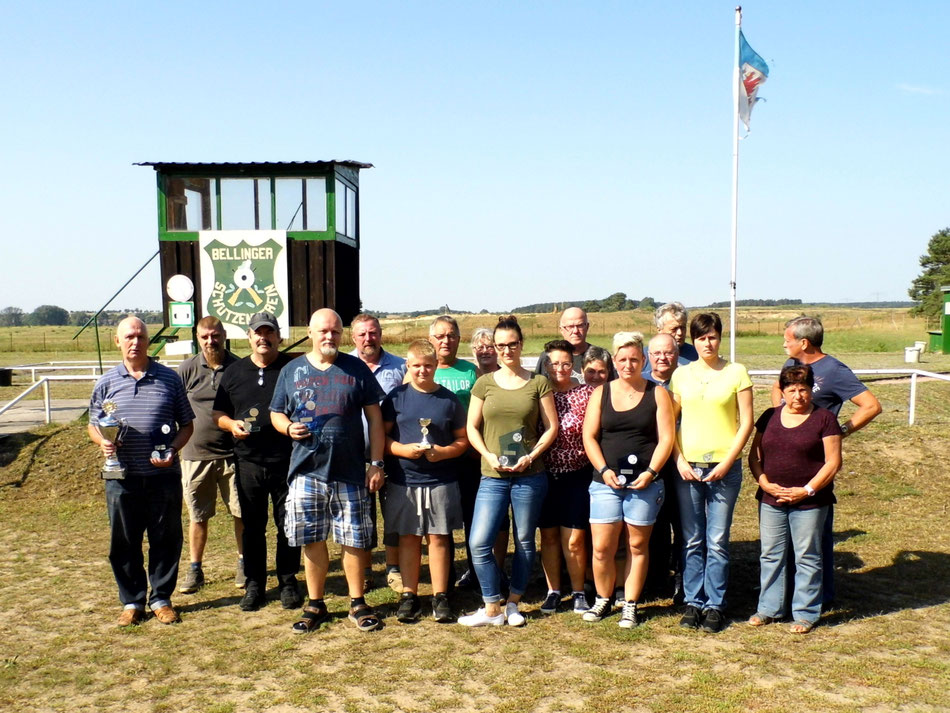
(262, 458)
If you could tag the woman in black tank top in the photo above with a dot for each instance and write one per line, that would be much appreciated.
(628, 436)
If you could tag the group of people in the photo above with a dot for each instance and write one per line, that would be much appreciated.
(637, 449)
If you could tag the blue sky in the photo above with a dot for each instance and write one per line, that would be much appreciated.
(524, 152)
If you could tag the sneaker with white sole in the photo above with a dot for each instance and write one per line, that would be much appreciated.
(599, 610)
(480, 618)
(240, 579)
(551, 602)
(580, 602)
(628, 617)
(513, 616)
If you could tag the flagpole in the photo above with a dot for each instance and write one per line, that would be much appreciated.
(735, 190)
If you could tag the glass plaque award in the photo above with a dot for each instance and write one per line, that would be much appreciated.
(626, 472)
(512, 448)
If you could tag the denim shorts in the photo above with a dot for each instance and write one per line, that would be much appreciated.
(634, 507)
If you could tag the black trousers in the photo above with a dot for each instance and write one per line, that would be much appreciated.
(140, 505)
(257, 485)
(666, 541)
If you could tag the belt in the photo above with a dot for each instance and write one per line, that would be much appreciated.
(704, 465)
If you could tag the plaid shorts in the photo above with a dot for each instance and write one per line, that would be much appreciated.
(312, 505)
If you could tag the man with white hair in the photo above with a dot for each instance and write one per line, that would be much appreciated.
(318, 403)
(671, 319)
(146, 499)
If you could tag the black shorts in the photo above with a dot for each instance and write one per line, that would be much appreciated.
(567, 503)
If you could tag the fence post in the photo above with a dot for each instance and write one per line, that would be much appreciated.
(913, 399)
(46, 400)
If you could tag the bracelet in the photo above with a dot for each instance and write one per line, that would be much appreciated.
(652, 472)
(287, 430)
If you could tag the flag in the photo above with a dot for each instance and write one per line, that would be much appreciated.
(753, 71)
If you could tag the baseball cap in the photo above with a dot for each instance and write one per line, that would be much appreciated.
(262, 319)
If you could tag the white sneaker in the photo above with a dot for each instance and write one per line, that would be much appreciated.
(480, 618)
(515, 617)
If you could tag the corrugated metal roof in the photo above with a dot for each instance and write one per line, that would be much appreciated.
(171, 166)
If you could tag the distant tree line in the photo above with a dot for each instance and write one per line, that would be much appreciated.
(617, 302)
(52, 315)
(926, 290)
(758, 303)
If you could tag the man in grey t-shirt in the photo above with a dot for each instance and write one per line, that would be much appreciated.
(207, 461)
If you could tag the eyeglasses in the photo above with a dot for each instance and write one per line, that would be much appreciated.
(561, 367)
(668, 355)
(511, 346)
(483, 347)
(574, 327)
(260, 377)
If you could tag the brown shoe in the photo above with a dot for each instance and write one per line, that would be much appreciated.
(130, 617)
(167, 615)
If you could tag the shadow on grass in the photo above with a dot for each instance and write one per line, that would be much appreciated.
(14, 445)
(915, 578)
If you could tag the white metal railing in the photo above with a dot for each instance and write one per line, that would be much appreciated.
(912, 373)
(44, 382)
(88, 365)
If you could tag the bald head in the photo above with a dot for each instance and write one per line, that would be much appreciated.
(663, 354)
(131, 336)
(574, 328)
(326, 332)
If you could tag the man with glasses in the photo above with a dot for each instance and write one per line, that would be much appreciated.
(262, 460)
(389, 370)
(574, 327)
(207, 460)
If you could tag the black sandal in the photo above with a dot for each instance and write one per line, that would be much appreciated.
(365, 618)
(311, 619)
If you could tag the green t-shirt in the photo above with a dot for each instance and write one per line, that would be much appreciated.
(507, 410)
(459, 379)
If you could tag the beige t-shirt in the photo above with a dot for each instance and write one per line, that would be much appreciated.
(507, 410)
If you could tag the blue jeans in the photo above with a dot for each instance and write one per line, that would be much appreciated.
(706, 516)
(138, 505)
(780, 527)
(525, 494)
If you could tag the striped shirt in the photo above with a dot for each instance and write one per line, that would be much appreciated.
(155, 400)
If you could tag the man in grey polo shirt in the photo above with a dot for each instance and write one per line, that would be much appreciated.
(150, 399)
(389, 370)
(207, 462)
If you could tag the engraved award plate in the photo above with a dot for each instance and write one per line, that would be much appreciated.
(625, 469)
(112, 428)
(306, 414)
(512, 448)
(252, 419)
(424, 425)
(161, 441)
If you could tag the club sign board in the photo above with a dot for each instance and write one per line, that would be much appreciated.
(244, 272)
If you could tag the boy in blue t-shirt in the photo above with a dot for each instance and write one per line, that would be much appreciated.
(422, 494)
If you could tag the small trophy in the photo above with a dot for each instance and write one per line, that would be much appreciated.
(306, 413)
(112, 429)
(161, 441)
(250, 420)
(697, 471)
(624, 470)
(424, 425)
(512, 448)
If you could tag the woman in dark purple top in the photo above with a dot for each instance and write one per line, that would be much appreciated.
(795, 455)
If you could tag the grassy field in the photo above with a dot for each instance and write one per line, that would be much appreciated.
(886, 647)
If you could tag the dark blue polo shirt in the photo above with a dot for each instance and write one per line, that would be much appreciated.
(158, 398)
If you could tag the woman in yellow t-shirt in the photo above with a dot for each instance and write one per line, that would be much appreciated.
(715, 402)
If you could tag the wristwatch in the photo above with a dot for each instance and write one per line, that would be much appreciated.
(378, 463)
(810, 490)
(604, 469)
(652, 472)
(845, 429)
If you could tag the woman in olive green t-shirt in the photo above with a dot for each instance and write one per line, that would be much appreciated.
(505, 410)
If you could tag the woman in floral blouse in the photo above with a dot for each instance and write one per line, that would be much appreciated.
(566, 508)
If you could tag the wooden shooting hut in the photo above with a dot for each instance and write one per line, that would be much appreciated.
(284, 237)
